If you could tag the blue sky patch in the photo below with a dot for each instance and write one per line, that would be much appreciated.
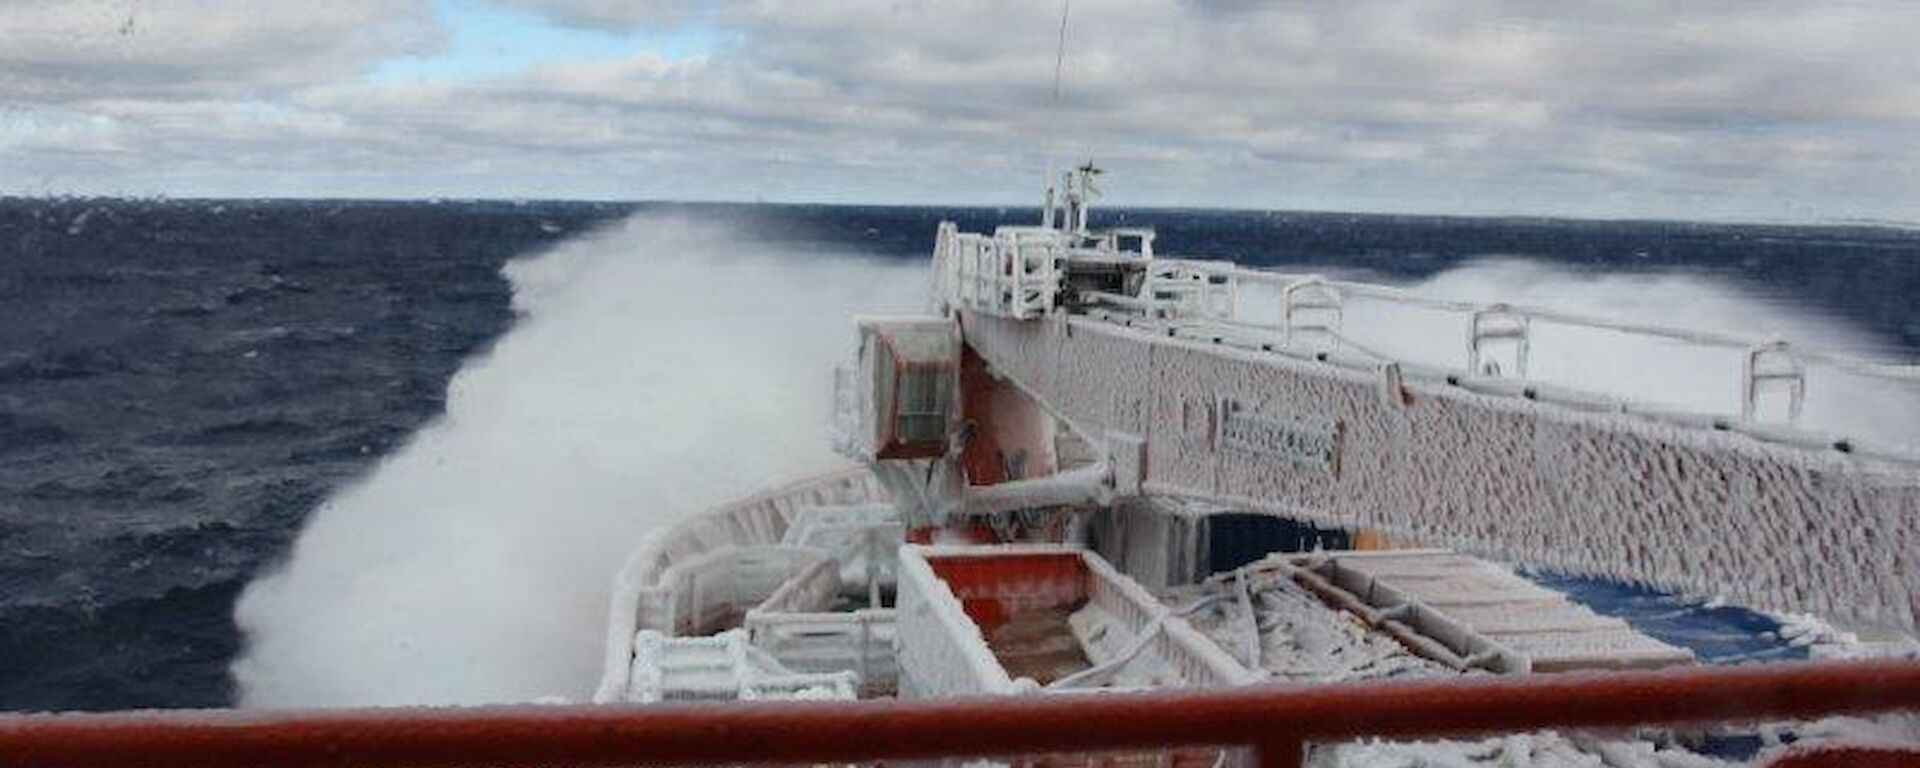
(487, 41)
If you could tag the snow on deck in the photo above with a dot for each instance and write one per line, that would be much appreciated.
(1482, 613)
(1303, 639)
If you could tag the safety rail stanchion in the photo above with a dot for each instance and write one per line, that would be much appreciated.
(1267, 717)
(1316, 299)
(1767, 364)
(1497, 324)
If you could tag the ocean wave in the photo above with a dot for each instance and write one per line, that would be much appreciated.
(20, 432)
(57, 364)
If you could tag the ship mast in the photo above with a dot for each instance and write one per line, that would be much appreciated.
(1059, 65)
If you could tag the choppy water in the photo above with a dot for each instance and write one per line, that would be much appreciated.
(182, 382)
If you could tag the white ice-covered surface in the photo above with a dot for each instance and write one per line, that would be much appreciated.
(1545, 749)
(1897, 729)
(1823, 640)
(862, 539)
(1663, 502)
(724, 667)
(941, 650)
(859, 641)
(1304, 640)
(758, 520)
(1472, 606)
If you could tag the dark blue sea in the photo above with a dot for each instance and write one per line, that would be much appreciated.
(181, 382)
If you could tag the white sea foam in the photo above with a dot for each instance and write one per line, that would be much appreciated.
(655, 369)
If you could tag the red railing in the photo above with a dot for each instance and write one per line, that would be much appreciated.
(1275, 720)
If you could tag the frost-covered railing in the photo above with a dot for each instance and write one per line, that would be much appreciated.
(762, 518)
(823, 641)
(1021, 274)
(1012, 273)
(724, 667)
(1178, 279)
(862, 538)
(759, 520)
(709, 592)
(1302, 315)
(798, 627)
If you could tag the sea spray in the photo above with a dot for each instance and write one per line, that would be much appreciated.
(655, 369)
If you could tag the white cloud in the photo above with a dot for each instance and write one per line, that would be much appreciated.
(1729, 109)
(77, 50)
(610, 14)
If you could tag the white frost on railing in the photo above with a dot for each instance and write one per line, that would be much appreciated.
(798, 625)
(862, 539)
(723, 667)
(759, 520)
(706, 592)
(1012, 273)
(820, 641)
(1022, 273)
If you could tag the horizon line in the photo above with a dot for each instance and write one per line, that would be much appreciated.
(1855, 222)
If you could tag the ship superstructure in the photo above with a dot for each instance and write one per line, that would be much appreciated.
(1092, 467)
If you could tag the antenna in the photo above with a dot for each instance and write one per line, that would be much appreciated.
(1060, 51)
(1059, 65)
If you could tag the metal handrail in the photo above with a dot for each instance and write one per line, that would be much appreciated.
(1182, 314)
(1767, 365)
(1905, 373)
(1276, 720)
(1861, 366)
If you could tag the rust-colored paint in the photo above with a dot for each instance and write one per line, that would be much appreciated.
(981, 457)
(994, 588)
(1005, 426)
(1368, 539)
(1275, 718)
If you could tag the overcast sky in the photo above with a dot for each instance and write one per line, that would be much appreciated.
(1734, 109)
